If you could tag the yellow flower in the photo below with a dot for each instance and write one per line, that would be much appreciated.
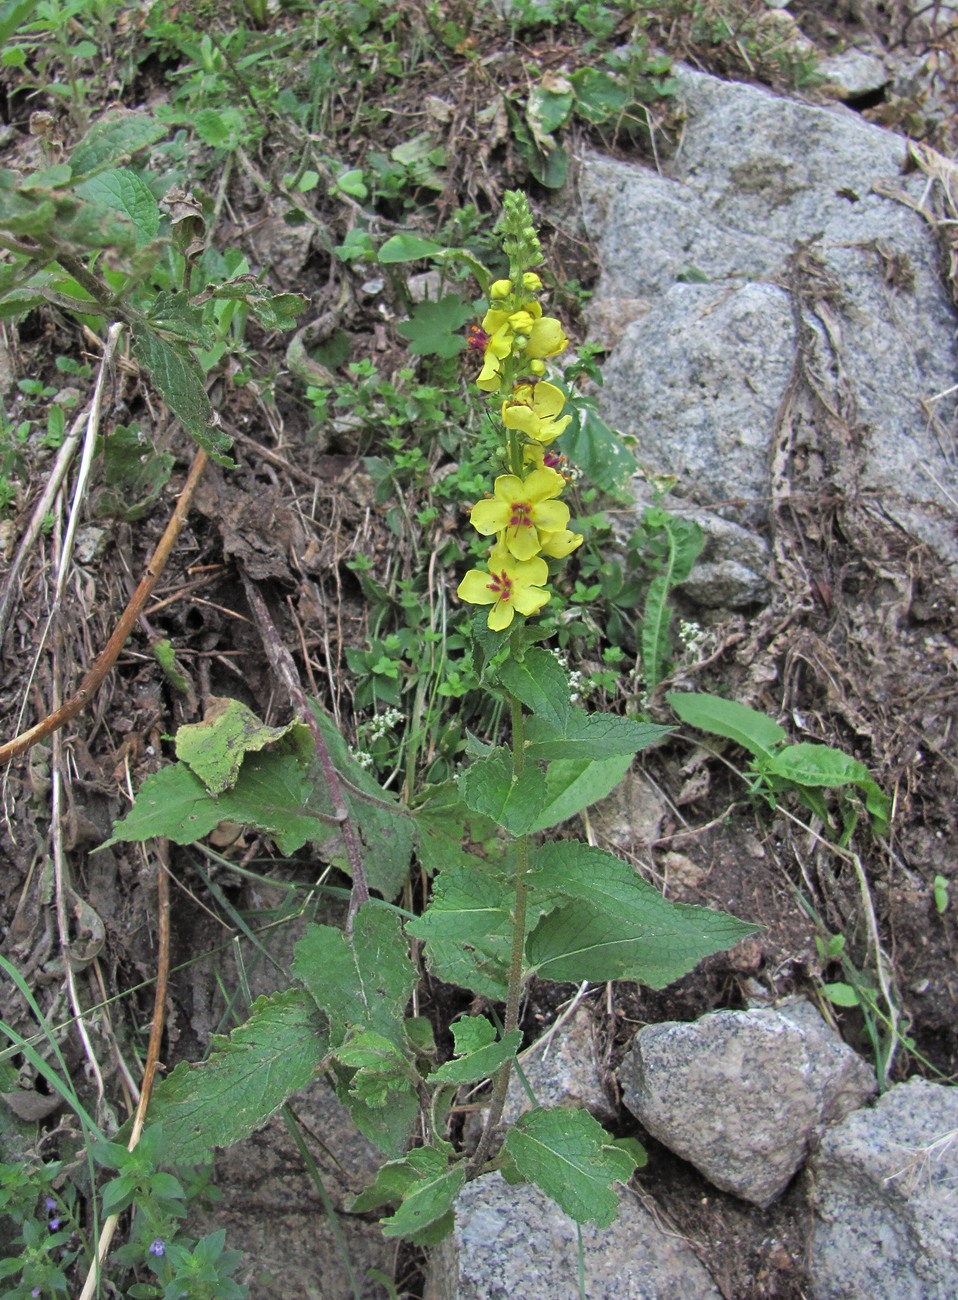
(511, 587)
(559, 544)
(533, 409)
(525, 332)
(519, 508)
(500, 289)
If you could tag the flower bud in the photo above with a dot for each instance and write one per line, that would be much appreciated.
(500, 289)
(531, 282)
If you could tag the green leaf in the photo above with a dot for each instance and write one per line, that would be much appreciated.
(13, 14)
(270, 794)
(575, 784)
(405, 247)
(615, 925)
(599, 96)
(434, 328)
(215, 748)
(541, 683)
(112, 139)
(515, 803)
(363, 979)
(596, 448)
(546, 111)
(424, 1186)
(382, 1069)
(478, 1051)
(245, 1080)
(759, 734)
(806, 764)
(684, 539)
(590, 736)
(274, 311)
(570, 1157)
(467, 928)
(126, 192)
(220, 128)
(179, 381)
(841, 995)
(388, 1127)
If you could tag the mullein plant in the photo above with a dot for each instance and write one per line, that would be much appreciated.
(518, 906)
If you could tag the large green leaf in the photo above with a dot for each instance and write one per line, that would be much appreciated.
(575, 784)
(758, 733)
(126, 192)
(615, 925)
(425, 1187)
(270, 794)
(570, 1157)
(364, 979)
(245, 1080)
(590, 735)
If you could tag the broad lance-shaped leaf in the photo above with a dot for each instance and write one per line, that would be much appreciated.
(570, 1157)
(590, 736)
(614, 924)
(269, 794)
(364, 979)
(478, 1051)
(759, 734)
(490, 788)
(245, 1079)
(113, 138)
(807, 764)
(542, 685)
(126, 192)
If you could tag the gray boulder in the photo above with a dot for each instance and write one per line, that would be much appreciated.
(512, 1243)
(773, 252)
(886, 1199)
(740, 1094)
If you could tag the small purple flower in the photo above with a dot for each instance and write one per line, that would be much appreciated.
(158, 1248)
(54, 1224)
(49, 1204)
(35, 1291)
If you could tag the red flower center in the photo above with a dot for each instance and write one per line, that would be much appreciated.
(477, 340)
(521, 516)
(501, 585)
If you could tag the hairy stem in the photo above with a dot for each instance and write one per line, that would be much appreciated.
(500, 1085)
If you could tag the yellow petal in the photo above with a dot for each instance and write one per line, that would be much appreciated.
(559, 544)
(475, 588)
(547, 338)
(488, 517)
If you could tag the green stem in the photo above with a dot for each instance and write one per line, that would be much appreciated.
(500, 1085)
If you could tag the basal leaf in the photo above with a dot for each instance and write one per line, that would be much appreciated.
(616, 925)
(363, 979)
(570, 1157)
(245, 1079)
(489, 787)
(759, 734)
